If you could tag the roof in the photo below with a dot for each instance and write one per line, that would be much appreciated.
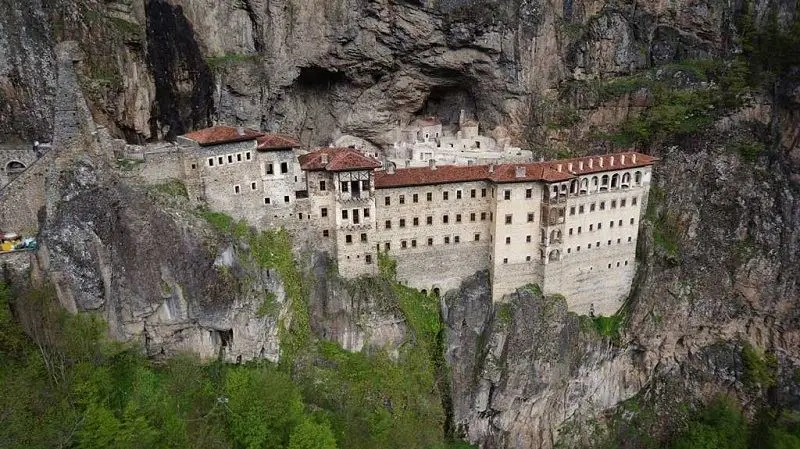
(275, 141)
(337, 159)
(428, 121)
(553, 171)
(216, 135)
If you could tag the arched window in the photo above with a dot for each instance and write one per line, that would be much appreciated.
(553, 216)
(626, 180)
(604, 183)
(424, 291)
(555, 256)
(555, 236)
(595, 184)
(637, 178)
(554, 192)
(615, 181)
(573, 187)
(564, 188)
(14, 167)
(584, 186)
(436, 291)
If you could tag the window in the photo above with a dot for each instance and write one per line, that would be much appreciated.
(570, 231)
(345, 186)
(325, 233)
(429, 220)
(368, 259)
(430, 241)
(236, 189)
(509, 219)
(590, 246)
(415, 198)
(445, 195)
(252, 186)
(597, 244)
(387, 246)
(403, 244)
(363, 238)
(365, 185)
(247, 155)
(629, 239)
(388, 224)
(507, 195)
(580, 209)
(429, 196)
(633, 201)
(456, 239)
(345, 214)
(323, 212)
(220, 160)
(572, 210)
(591, 207)
(505, 260)
(387, 200)
(348, 238)
(483, 193)
(194, 166)
(445, 219)
(284, 167)
(602, 205)
(402, 199)
(579, 229)
(591, 228)
(578, 248)
(609, 243)
(483, 216)
(447, 240)
(631, 220)
(238, 157)
(599, 226)
(472, 193)
(269, 169)
(527, 258)
(508, 240)
(458, 194)
(528, 193)
(211, 162)
(527, 239)
(366, 212)
(619, 223)
(626, 263)
(622, 202)
(609, 266)
(458, 218)
(613, 204)
(402, 222)
(611, 224)
(322, 185)
(530, 217)
(416, 221)
(266, 200)
(618, 241)
(472, 216)
(476, 237)
(230, 159)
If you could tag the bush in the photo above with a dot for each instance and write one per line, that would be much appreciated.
(759, 368)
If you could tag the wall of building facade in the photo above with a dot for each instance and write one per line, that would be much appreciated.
(354, 215)
(23, 198)
(161, 166)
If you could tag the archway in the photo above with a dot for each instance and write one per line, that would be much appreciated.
(555, 236)
(424, 291)
(626, 180)
(595, 184)
(573, 187)
(615, 181)
(15, 167)
(637, 178)
(436, 291)
(604, 183)
(555, 256)
(584, 186)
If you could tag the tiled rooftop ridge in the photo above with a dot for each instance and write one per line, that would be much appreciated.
(216, 135)
(337, 159)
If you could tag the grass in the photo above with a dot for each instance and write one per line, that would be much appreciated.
(128, 164)
(759, 368)
(505, 313)
(173, 188)
(268, 307)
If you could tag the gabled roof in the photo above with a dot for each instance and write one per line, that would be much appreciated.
(275, 141)
(337, 159)
(553, 171)
(216, 135)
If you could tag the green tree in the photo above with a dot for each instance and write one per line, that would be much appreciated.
(311, 435)
(718, 426)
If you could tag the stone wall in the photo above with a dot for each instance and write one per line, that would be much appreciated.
(23, 198)
(161, 166)
(22, 153)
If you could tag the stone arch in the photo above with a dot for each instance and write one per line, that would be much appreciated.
(604, 183)
(436, 291)
(554, 256)
(14, 166)
(615, 181)
(564, 189)
(637, 178)
(584, 189)
(554, 191)
(424, 291)
(555, 236)
(595, 184)
(573, 187)
(626, 180)
(553, 216)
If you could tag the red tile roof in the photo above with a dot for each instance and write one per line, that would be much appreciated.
(337, 159)
(274, 141)
(222, 134)
(505, 173)
(429, 121)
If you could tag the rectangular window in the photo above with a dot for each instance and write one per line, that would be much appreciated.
(591, 228)
(445, 195)
(505, 260)
(589, 246)
(483, 193)
(388, 224)
(238, 157)
(269, 169)
(345, 214)
(530, 217)
(477, 237)
(368, 259)
(527, 258)
(579, 229)
(366, 212)
(445, 219)
(528, 193)
(622, 202)
(402, 199)
(220, 160)
(429, 196)
(430, 241)
(611, 224)
(325, 233)
(355, 217)
(633, 201)
(472, 216)
(456, 239)
(230, 159)
(527, 239)
(580, 209)
(345, 186)
(402, 222)
(483, 216)
(472, 193)
(509, 219)
(572, 210)
(507, 194)
(387, 200)
(247, 155)
(252, 186)
(211, 162)
(363, 238)
(416, 221)
(597, 244)
(429, 220)
(348, 238)
(578, 249)
(631, 220)
(266, 200)
(403, 244)
(620, 223)
(413, 243)
(387, 246)
(508, 240)
(458, 218)
(599, 226)
(570, 231)
(194, 166)
(323, 212)
(284, 167)
(629, 239)
(322, 185)
(236, 189)
(415, 198)
(447, 240)
(602, 205)
(613, 204)
(592, 207)
(609, 243)
(458, 194)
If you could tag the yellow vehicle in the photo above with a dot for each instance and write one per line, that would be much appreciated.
(12, 242)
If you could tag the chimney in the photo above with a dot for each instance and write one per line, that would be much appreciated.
(558, 167)
(622, 160)
(633, 158)
(601, 161)
(612, 162)
(240, 130)
(580, 165)
(432, 164)
(324, 158)
(520, 172)
(591, 162)
(491, 168)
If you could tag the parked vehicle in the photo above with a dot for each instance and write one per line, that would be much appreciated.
(12, 242)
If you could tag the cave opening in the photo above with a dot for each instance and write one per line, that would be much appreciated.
(446, 102)
(318, 78)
